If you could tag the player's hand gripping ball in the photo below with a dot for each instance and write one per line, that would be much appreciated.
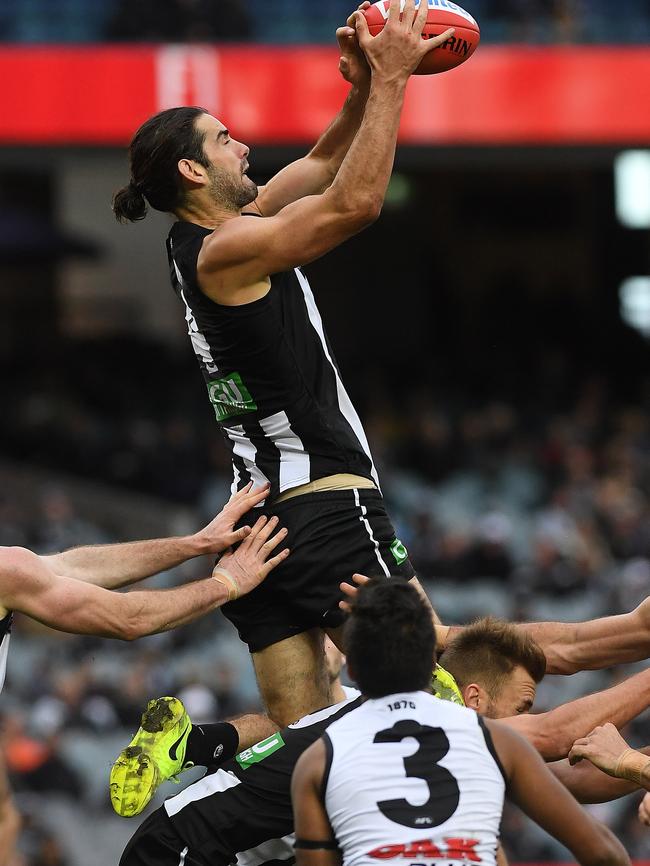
(442, 14)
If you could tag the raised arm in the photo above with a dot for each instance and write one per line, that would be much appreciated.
(595, 644)
(28, 586)
(315, 842)
(244, 251)
(554, 733)
(536, 791)
(116, 565)
(580, 646)
(315, 172)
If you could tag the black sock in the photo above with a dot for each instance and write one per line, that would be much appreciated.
(211, 745)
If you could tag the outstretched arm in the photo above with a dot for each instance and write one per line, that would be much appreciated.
(235, 260)
(595, 644)
(588, 784)
(580, 646)
(607, 750)
(28, 586)
(534, 789)
(313, 173)
(116, 565)
(554, 733)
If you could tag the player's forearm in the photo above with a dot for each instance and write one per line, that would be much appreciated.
(153, 611)
(557, 730)
(130, 615)
(595, 644)
(588, 784)
(115, 565)
(331, 148)
(363, 178)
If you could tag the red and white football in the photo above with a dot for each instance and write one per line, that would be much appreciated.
(442, 14)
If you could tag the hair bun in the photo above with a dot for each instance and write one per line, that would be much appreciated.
(129, 204)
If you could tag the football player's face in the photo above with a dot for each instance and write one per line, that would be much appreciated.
(228, 160)
(515, 697)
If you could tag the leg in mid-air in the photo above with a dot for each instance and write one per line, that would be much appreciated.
(168, 743)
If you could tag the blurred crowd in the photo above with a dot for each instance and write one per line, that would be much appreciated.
(286, 21)
(517, 509)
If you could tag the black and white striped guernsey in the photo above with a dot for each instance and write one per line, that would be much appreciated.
(271, 377)
(241, 814)
(5, 634)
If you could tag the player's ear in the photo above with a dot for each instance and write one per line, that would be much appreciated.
(472, 696)
(191, 170)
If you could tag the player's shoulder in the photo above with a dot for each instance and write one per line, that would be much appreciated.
(20, 569)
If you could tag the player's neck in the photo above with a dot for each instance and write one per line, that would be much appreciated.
(209, 214)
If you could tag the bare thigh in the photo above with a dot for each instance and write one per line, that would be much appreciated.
(292, 677)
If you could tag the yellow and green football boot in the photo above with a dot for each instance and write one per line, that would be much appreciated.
(155, 754)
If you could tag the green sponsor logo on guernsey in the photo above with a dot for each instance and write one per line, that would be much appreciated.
(230, 397)
(399, 551)
(259, 751)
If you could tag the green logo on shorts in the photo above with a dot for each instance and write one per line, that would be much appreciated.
(259, 751)
(399, 551)
(230, 397)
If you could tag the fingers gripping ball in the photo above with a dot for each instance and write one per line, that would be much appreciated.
(441, 15)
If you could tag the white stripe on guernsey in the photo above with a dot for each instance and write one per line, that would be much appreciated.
(4, 652)
(345, 404)
(294, 462)
(319, 715)
(244, 448)
(275, 849)
(365, 522)
(235, 480)
(205, 787)
(181, 862)
(199, 343)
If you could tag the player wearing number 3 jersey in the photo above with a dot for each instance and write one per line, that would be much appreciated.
(409, 778)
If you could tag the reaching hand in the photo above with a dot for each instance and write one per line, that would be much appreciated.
(351, 591)
(220, 534)
(603, 747)
(246, 567)
(353, 65)
(397, 50)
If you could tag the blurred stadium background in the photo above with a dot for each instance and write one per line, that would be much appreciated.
(492, 327)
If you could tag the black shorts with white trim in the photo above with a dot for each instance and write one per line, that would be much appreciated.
(331, 535)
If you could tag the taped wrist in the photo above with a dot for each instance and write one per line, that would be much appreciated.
(631, 766)
(221, 575)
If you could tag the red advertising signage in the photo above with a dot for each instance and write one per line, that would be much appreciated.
(503, 95)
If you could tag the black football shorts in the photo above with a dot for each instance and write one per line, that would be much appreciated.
(331, 535)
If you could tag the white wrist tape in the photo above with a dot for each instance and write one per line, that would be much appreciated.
(225, 577)
(631, 765)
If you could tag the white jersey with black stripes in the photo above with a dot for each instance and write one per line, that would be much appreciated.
(413, 779)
